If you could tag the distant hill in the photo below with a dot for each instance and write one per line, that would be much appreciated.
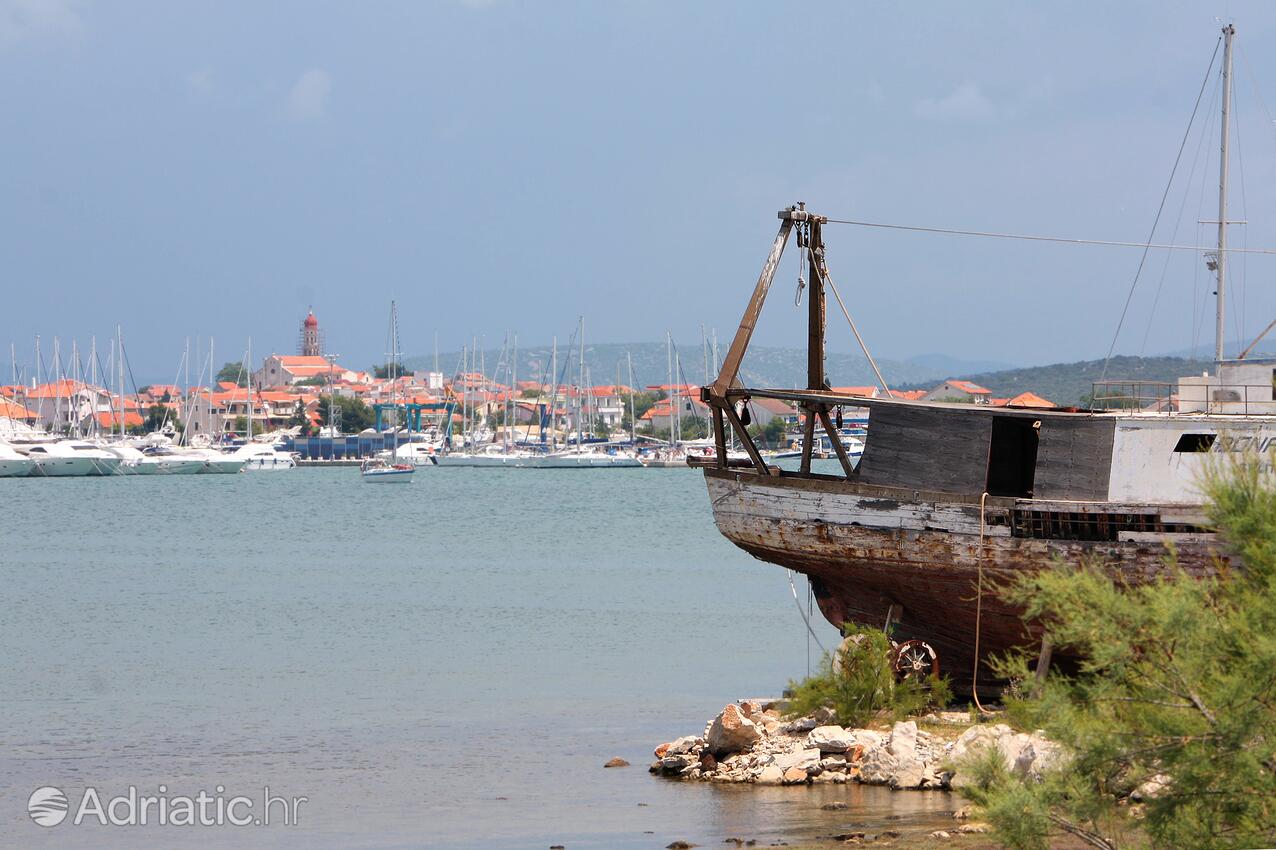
(1062, 383)
(1066, 383)
(763, 365)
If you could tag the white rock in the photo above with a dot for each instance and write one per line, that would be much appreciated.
(770, 775)
(731, 732)
(675, 764)
(830, 739)
(866, 738)
(903, 739)
(1151, 789)
(800, 725)
(804, 759)
(1024, 755)
(685, 744)
(877, 766)
(910, 773)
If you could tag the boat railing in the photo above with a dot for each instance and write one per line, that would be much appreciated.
(1190, 395)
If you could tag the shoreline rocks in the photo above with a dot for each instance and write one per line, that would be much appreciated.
(751, 742)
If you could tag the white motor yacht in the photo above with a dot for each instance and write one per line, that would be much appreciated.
(215, 462)
(263, 457)
(67, 458)
(155, 461)
(417, 454)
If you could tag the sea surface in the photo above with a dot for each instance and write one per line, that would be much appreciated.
(445, 664)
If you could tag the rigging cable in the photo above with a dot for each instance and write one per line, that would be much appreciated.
(805, 618)
(878, 372)
(1157, 220)
(1238, 316)
(979, 607)
(1178, 222)
(1105, 243)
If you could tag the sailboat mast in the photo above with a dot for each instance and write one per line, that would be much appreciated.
(581, 409)
(248, 365)
(553, 394)
(633, 418)
(512, 405)
(1220, 329)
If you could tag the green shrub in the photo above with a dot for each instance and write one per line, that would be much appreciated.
(860, 684)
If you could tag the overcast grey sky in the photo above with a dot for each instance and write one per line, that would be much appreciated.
(213, 169)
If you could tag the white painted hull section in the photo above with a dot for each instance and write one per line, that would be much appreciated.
(74, 467)
(16, 467)
(388, 476)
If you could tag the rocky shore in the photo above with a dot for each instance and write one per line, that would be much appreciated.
(752, 742)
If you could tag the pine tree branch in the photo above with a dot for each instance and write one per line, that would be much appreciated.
(1091, 838)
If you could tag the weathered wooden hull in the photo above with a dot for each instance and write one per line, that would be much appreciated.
(875, 553)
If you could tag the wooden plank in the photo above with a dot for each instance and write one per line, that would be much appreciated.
(928, 448)
(837, 442)
(719, 437)
(815, 313)
(808, 439)
(1074, 458)
(745, 439)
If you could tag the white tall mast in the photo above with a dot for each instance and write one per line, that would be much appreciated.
(248, 371)
(1220, 330)
(512, 396)
(580, 392)
(669, 394)
(553, 392)
(119, 371)
(93, 384)
(633, 418)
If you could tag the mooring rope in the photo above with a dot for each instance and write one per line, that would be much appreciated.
(979, 606)
(805, 618)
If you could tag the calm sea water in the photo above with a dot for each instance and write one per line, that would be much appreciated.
(445, 665)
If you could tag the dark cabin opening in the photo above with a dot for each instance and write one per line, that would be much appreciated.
(1195, 443)
(1012, 456)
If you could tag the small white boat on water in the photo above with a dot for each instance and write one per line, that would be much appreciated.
(71, 458)
(14, 464)
(380, 471)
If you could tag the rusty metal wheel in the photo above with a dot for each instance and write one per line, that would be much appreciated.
(916, 659)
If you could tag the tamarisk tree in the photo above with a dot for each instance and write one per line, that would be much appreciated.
(1170, 718)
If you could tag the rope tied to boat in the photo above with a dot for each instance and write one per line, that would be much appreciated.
(979, 603)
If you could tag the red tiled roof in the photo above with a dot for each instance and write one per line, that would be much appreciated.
(112, 420)
(967, 386)
(13, 410)
(1029, 399)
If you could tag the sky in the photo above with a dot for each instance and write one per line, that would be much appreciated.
(188, 171)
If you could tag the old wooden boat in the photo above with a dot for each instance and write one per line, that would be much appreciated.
(950, 499)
